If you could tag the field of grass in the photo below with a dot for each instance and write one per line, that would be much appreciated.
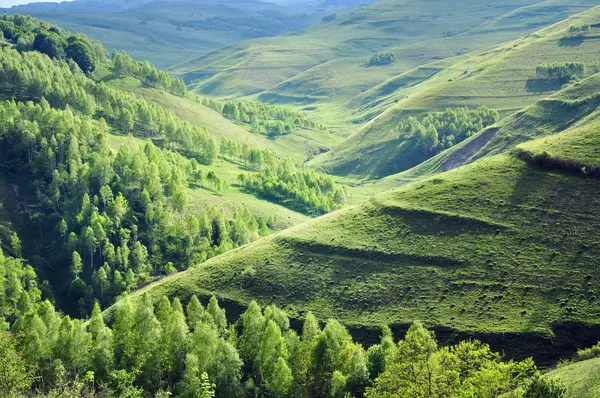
(322, 67)
(503, 78)
(497, 250)
(166, 33)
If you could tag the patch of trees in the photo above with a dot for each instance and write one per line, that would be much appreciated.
(441, 130)
(114, 219)
(580, 28)
(189, 350)
(123, 64)
(30, 34)
(263, 118)
(546, 161)
(254, 158)
(290, 183)
(32, 76)
(381, 59)
(565, 70)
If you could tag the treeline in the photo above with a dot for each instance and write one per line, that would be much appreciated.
(263, 118)
(116, 219)
(123, 64)
(192, 351)
(381, 59)
(441, 130)
(565, 70)
(546, 161)
(33, 76)
(30, 34)
(293, 185)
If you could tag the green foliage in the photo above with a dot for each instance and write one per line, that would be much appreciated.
(580, 28)
(565, 70)
(588, 353)
(31, 75)
(123, 64)
(438, 131)
(296, 186)
(122, 210)
(543, 388)
(32, 34)
(381, 59)
(422, 369)
(264, 118)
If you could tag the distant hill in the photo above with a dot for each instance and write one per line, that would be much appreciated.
(323, 67)
(503, 78)
(168, 32)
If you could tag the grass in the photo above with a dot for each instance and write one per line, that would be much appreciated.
(503, 78)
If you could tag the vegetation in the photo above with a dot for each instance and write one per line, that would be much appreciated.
(149, 74)
(580, 28)
(560, 71)
(30, 34)
(292, 184)
(381, 59)
(263, 118)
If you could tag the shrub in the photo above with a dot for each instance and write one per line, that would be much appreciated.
(588, 353)
(543, 388)
(381, 59)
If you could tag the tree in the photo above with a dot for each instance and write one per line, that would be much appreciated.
(76, 264)
(281, 379)
(195, 312)
(16, 375)
(81, 53)
(540, 387)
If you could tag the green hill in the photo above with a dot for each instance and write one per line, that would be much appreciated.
(168, 32)
(504, 79)
(323, 66)
(498, 249)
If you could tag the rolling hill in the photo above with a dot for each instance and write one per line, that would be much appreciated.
(499, 249)
(323, 67)
(168, 32)
(504, 79)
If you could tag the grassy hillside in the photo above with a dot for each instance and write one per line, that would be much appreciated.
(323, 66)
(301, 144)
(581, 379)
(572, 110)
(497, 249)
(168, 32)
(504, 79)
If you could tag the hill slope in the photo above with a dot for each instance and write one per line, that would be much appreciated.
(504, 79)
(496, 248)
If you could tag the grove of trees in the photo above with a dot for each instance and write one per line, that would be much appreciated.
(441, 130)
(381, 59)
(565, 70)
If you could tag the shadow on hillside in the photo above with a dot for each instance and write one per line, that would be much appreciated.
(534, 85)
(571, 41)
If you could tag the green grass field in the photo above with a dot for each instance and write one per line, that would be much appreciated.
(503, 78)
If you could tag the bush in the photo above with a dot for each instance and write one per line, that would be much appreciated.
(578, 29)
(588, 353)
(560, 71)
(543, 388)
(381, 59)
